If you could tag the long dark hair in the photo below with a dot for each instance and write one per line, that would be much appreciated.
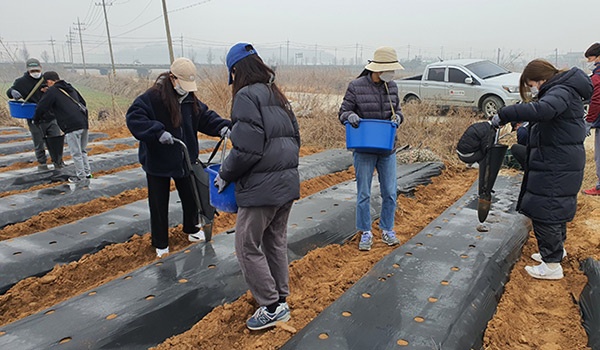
(170, 98)
(252, 70)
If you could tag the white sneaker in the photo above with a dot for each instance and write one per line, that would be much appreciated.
(543, 272)
(161, 252)
(538, 257)
(197, 237)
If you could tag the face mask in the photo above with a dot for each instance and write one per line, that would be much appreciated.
(592, 65)
(534, 91)
(35, 75)
(387, 76)
(180, 91)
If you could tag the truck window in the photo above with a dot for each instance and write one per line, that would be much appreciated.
(436, 74)
(456, 76)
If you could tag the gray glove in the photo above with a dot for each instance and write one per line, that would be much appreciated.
(220, 184)
(225, 132)
(354, 119)
(588, 129)
(15, 94)
(496, 122)
(166, 138)
(398, 119)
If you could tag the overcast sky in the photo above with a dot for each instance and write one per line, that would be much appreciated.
(344, 28)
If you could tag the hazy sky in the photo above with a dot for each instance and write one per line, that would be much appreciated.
(469, 28)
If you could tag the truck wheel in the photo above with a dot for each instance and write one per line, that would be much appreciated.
(491, 105)
(411, 99)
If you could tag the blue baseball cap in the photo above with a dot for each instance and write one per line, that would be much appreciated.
(237, 53)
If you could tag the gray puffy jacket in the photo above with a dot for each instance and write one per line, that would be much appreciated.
(266, 145)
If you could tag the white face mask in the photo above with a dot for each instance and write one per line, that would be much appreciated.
(35, 75)
(180, 91)
(387, 76)
(534, 91)
(592, 65)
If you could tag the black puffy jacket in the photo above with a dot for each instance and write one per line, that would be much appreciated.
(555, 152)
(265, 154)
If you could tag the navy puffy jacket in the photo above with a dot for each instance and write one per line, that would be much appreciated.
(147, 118)
(556, 156)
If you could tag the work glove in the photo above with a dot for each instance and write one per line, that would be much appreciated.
(225, 132)
(588, 129)
(354, 119)
(15, 94)
(496, 122)
(220, 184)
(166, 138)
(398, 119)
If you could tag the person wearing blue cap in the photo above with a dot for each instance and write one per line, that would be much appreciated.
(264, 166)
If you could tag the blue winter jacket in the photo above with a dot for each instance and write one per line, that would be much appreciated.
(147, 118)
(555, 153)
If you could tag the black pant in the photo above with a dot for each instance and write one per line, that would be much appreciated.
(550, 239)
(158, 200)
(520, 153)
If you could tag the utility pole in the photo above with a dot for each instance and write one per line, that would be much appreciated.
(53, 52)
(498, 59)
(356, 55)
(556, 57)
(111, 80)
(182, 45)
(81, 44)
(70, 41)
(316, 49)
(112, 59)
(408, 53)
(167, 28)
(288, 53)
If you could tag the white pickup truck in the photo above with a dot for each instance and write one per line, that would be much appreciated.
(475, 83)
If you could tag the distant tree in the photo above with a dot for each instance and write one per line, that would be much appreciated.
(45, 56)
(209, 56)
(24, 52)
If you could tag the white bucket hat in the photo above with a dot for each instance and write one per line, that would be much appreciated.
(384, 59)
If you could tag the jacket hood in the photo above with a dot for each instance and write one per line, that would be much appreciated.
(61, 84)
(574, 78)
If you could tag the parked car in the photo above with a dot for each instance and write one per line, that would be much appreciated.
(475, 83)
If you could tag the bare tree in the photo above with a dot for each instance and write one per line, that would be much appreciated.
(209, 56)
(24, 52)
(45, 56)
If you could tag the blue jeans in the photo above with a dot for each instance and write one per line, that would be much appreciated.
(364, 166)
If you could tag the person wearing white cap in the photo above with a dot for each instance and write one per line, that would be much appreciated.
(374, 95)
(166, 110)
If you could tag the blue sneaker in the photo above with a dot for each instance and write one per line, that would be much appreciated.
(262, 318)
(366, 241)
(389, 238)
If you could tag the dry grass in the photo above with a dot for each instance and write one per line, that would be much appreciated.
(315, 93)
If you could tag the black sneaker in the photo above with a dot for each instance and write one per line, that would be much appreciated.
(89, 176)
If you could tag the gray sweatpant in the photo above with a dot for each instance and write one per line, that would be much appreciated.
(261, 249)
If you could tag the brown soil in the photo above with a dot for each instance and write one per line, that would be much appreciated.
(531, 314)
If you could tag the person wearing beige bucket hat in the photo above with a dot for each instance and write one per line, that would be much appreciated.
(169, 109)
(374, 95)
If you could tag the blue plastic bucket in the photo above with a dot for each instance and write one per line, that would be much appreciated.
(224, 201)
(21, 110)
(372, 135)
